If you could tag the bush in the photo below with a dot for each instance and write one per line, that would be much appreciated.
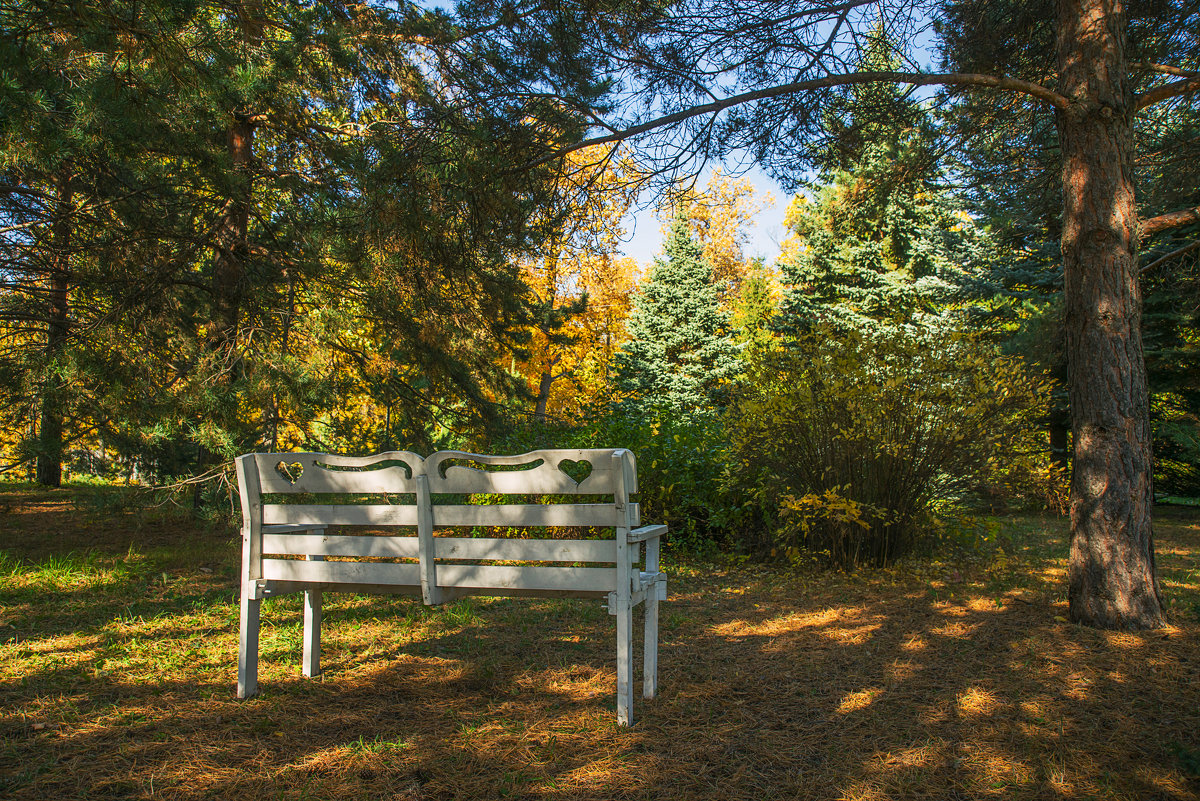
(842, 444)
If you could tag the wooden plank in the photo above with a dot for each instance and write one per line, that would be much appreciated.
(647, 533)
(527, 577)
(309, 472)
(650, 648)
(378, 514)
(628, 469)
(294, 528)
(342, 572)
(558, 514)
(526, 550)
(311, 659)
(340, 545)
(545, 478)
(252, 518)
(375, 514)
(248, 624)
(624, 662)
(622, 600)
(430, 593)
(277, 588)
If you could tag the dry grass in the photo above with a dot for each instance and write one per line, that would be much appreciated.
(941, 679)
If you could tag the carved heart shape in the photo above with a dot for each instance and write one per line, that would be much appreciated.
(579, 471)
(291, 472)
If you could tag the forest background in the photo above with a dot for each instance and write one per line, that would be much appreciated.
(346, 227)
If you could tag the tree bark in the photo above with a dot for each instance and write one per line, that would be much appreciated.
(543, 397)
(1111, 574)
(232, 246)
(50, 428)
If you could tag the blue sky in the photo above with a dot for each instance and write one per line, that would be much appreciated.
(644, 229)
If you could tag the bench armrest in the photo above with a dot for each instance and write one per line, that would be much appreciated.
(647, 533)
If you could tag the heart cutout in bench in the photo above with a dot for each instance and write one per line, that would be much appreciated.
(291, 472)
(578, 471)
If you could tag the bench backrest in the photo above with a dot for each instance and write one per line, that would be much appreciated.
(448, 561)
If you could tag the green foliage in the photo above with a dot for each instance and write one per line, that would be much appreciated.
(880, 241)
(679, 462)
(276, 225)
(680, 356)
(843, 443)
(754, 308)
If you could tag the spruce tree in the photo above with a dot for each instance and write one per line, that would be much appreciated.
(880, 242)
(680, 356)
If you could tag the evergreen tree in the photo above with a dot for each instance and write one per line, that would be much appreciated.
(880, 241)
(1007, 165)
(219, 216)
(679, 356)
(755, 306)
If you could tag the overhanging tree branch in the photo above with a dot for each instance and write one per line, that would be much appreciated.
(1034, 90)
(1174, 254)
(1173, 219)
(1165, 69)
(1167, 91)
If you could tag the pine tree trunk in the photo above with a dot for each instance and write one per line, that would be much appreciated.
(232, 245)
(1111, 575)
(50, 428)
(543, 397)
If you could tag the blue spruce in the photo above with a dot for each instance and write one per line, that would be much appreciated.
(680, 357)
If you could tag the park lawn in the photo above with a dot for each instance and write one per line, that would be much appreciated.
(955, 676)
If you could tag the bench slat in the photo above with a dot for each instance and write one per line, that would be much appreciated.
(340, 545)
(394, 573)
(500, 549)
(524, 550)
(378, 514)
(516, 577)
(527, 577)
(563, 514)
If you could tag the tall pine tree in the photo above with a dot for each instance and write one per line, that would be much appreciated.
(680, 356)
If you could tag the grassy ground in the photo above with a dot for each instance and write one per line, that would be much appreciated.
(944, 678)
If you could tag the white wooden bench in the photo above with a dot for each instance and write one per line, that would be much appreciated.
(285, 547)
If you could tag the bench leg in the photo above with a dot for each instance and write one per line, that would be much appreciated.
(312, 633)
(650, 644)
(312, 627)
(248, 645)
(624, 663)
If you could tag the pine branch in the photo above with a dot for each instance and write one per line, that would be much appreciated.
(1034, 90)
(1168, 90)
(1164, 69)
(1174, 254)
(1164, 222)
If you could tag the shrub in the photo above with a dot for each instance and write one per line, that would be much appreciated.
(679, 465)
(842, 444)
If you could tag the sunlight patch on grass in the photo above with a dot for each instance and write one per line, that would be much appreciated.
(917, 756)
(976, 703)
(957, 630)
(995, 771)
(1123, 640)
(858, 700)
